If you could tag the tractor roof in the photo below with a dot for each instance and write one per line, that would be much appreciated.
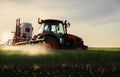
(53, 20)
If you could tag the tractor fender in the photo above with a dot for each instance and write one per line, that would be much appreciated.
(78, 42)
(75, 38)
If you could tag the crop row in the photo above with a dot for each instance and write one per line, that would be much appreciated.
(64, 70)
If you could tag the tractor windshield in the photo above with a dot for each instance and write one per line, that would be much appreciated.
(52, 27)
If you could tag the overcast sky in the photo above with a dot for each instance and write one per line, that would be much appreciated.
(96, 21)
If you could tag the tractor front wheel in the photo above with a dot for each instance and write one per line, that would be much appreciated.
(51, 43)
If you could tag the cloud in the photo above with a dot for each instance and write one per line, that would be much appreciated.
(97, 10)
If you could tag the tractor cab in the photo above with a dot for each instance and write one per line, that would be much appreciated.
(56, 27)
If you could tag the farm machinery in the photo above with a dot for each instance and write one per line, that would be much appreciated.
(52, 34)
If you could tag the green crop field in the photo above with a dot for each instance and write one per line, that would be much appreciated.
(94, 62)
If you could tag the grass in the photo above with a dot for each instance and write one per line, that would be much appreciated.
(94, 62)
(104, 49)
(90, 56)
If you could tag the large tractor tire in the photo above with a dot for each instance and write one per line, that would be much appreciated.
(51, 43)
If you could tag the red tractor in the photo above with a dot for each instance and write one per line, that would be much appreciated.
(53, 34)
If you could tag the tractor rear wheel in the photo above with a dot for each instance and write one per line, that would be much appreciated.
(51, 43)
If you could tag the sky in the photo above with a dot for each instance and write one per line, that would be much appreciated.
(96, 21)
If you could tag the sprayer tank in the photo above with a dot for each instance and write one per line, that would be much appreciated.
(26, 30)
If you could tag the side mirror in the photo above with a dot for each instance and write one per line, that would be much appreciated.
(40, 21)
(67, 24)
